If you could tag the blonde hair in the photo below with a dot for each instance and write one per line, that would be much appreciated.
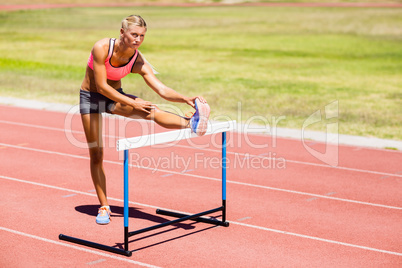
(136, 20)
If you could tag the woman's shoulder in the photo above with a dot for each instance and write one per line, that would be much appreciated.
(140, 58)
(102, 44)
(142, 66)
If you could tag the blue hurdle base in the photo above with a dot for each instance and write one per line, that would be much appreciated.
(197, 219)
(95, 245)
(182, 217)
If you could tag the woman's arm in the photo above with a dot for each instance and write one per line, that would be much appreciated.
(100, 52)
(162, 90)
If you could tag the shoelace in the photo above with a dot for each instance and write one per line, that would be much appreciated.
(103, 211)
(189, 114)
(188, 117)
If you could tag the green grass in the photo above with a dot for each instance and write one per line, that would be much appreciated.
(270, 61)
(33, 2)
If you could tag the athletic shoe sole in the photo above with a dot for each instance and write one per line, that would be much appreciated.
(203, 116)
(103, 222)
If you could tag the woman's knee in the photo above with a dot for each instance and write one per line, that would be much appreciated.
(154, 112)
(128, 111)
(96, 155)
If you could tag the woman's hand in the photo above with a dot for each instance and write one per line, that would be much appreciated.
(191, 101)
(143, 106)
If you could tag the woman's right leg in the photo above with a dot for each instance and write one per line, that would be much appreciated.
(92, 124)
(162, 118)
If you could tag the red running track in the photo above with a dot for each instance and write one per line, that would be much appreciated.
(285, 207)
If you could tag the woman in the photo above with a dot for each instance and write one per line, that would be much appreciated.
(110, 60)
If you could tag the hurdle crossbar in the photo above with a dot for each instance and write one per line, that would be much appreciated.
(170, 136)
(154, 139)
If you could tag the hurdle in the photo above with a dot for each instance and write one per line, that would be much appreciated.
(154, 139)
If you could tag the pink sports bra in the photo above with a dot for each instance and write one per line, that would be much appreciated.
(115, 73)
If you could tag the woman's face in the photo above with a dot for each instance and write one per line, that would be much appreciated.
(133, 36)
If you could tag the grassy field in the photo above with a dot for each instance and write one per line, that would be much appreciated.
(269, 62)
(33, 2)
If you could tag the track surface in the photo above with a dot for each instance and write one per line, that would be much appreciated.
(285, 207)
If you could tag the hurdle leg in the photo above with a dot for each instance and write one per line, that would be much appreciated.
(126, 207)
(224, 162)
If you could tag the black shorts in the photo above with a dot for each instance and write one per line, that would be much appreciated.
(94, 102)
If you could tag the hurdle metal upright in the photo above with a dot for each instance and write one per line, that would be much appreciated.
(160, 138)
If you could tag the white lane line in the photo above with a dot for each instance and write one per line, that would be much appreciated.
(52, 128)
(232, 222)
(71, 191)
(317, 238)
(77, 248)
(40, 127)
(69, 195)
(317, 195)
(246, 155)
(209, 178)
(95, 262)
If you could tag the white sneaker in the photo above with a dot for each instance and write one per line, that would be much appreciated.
(199, 121)
(103, 215)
